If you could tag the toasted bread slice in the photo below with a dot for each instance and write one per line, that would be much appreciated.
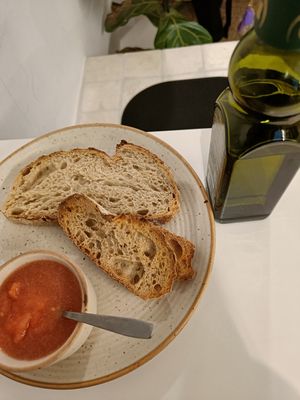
(184, 251)
(133, 181)
(131, 250)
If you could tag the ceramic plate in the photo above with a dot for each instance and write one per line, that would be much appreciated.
(105, 355)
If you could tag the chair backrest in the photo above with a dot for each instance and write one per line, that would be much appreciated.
(184, 104)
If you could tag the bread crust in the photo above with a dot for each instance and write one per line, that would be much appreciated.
(184, 251)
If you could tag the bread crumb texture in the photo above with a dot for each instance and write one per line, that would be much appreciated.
(133, 181)
(133, 251)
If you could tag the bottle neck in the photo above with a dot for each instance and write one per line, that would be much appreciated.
(278, 23)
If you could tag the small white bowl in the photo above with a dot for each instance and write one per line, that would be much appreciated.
(81, 331)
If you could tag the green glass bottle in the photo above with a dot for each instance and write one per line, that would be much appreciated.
(255, 143)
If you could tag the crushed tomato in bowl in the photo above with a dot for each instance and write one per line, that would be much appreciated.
(32, 299)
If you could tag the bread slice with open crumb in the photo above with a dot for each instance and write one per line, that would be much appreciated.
(133, 181)
(131, 250)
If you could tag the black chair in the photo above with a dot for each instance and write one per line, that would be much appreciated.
(184, 104)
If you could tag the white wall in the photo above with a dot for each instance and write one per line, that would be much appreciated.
(43, 46)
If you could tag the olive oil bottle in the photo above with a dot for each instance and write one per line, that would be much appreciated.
(255, 143)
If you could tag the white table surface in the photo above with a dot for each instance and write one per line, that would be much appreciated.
(243, 341)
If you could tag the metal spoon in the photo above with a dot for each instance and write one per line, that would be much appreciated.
(124, 326)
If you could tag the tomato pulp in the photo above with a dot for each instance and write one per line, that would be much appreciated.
(32, 300)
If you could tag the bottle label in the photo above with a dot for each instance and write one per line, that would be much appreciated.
(278, 23)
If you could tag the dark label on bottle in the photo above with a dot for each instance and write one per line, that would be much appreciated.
(258, 180)
(278, 23)
(251, 181)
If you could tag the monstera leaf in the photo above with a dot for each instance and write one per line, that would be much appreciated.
(175, 31)
(121, 13)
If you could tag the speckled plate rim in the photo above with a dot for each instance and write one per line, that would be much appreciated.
(185, 319)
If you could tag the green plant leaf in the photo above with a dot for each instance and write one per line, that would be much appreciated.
(121, 13)
(175, 31)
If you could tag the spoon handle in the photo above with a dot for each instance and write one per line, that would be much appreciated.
(124, 326)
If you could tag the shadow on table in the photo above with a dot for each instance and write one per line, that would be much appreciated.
(226, 369)
(209, 361)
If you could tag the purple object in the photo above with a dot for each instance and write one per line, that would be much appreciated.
(247, 21)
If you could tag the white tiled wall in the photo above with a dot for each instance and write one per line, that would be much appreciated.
(182, 61)
(215, 55)
(111, 81)
(43, 46)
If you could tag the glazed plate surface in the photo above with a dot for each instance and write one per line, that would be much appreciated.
(105, 355)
